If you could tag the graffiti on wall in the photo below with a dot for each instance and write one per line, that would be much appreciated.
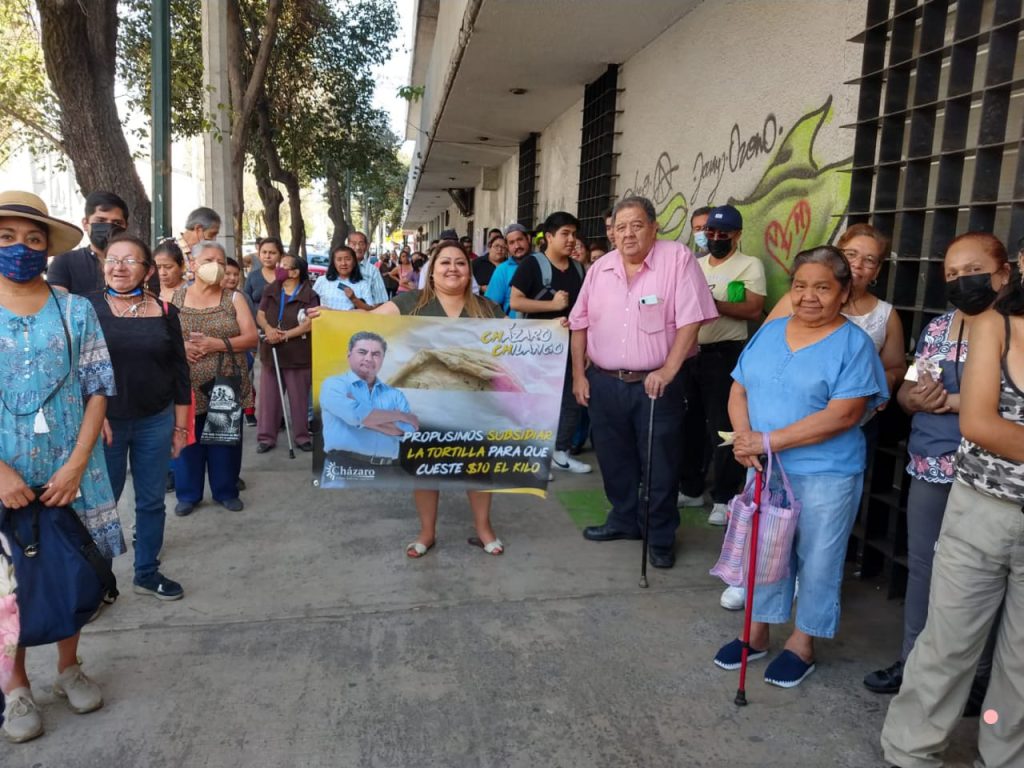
(796, 203)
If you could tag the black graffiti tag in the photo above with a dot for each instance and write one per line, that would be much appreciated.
(660, 187)
(733, 159)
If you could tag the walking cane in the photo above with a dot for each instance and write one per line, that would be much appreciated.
(284, 404)
(741, 692)
(647, 495)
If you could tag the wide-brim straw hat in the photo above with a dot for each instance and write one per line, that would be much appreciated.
(63, 235)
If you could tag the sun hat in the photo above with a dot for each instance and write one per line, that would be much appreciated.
(24, 205)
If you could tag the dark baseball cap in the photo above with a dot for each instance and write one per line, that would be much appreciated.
(449, 234)
(725, 218)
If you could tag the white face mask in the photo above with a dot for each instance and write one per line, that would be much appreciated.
(211, 273)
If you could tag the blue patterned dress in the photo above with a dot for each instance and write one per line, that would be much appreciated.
(35, 376)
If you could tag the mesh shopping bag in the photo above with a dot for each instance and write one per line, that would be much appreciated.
(779, 512)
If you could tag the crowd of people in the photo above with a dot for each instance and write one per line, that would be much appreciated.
(115, 357)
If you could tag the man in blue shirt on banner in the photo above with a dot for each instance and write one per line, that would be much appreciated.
(364, 419)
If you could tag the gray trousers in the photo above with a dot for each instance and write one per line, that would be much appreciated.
(926, 506)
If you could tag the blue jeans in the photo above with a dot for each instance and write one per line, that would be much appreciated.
(223, 462)
(828, 508)
(147, 442)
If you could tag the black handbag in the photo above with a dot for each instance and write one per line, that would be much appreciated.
(62, 576)
(224, 413)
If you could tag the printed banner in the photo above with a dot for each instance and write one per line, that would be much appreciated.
(428, 402)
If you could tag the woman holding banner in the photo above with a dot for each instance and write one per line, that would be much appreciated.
(448, 293)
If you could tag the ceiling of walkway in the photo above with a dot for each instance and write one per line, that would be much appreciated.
(551, 48)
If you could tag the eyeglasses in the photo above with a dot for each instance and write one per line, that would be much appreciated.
(119, 262)
(856, 257)
(717, 234)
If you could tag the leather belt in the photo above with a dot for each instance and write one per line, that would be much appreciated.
(629, 377)
(376, 461)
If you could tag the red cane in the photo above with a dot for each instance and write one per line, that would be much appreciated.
(741, 692)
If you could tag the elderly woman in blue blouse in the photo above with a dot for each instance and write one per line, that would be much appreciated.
(55, 376)
(806, 382)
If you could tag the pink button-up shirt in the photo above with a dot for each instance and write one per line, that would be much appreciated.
(631, 326)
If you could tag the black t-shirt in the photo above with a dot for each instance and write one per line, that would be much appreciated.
(148, 356)
(483, 271)
(528, 279)
(81, 272)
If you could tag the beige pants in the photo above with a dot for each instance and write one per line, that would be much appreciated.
(979, 559)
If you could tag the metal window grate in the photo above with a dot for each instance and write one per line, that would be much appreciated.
(597, 151)
(937, 152)
(527, 210)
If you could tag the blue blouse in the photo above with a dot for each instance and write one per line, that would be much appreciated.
(43, 402)
(784, 387)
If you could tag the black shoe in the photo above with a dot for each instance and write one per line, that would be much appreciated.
(159, 586)
(184, 509)
(607, 533)
(661, 557)
(232, 505)
(250, 420)
(264, 447)
(886, 680)
(240, 484)
(169, 488)
(306, 447)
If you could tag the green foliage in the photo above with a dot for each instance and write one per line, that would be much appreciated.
(411, 93)
(29, 113)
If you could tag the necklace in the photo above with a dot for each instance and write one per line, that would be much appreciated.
(132, 310)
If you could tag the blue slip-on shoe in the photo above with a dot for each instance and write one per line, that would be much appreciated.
(730, 655)
(787, 670)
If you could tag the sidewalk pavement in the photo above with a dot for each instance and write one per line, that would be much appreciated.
(307, 638)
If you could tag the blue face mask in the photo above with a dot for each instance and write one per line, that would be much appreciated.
(700, 239)
(20, 263)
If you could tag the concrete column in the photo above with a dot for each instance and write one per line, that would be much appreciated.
(217, 193)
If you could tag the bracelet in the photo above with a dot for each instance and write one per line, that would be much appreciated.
(183, 430)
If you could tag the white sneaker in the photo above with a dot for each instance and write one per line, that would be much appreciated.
(21, 717)
(719, 515)
(83, 694)
(682, 500)
(563, 461)
(733, 598)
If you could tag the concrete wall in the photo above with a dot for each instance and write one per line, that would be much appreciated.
(749, 115)
(559, 161)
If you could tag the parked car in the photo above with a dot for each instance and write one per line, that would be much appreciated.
(318, 262)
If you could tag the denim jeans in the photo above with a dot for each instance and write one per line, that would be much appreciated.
(828, 508)
(223, 462)
(146, 442)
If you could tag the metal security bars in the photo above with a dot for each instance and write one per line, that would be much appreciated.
(597, 151)
(527, 209)
(937, 152)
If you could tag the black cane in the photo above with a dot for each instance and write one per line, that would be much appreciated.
(647, 495)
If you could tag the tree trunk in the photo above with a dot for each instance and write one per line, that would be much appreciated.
(279, 173)
(270, 196)
(245, 81)
(336, 208)
(79, 47)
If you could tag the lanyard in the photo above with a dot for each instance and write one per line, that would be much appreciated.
(285, 301)
(956, 362)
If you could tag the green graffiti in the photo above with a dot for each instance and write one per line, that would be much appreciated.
(672, 217)
(796, 204)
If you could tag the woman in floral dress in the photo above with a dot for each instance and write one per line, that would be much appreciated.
(55, 376)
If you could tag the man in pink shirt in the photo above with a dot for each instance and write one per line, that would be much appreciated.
(636, 320)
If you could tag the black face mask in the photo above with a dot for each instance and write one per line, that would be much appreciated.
(971, 294)
(101, 232)
(719, 248)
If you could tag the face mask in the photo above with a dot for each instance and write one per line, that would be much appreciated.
(700, 239)
(101, 232)
(971, 294)
(211, 273)
(719, 248)
(280, 274)
(20, 263)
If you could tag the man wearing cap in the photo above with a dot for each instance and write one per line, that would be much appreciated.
(636, 320)
(467, 245)
(499, 290)
(737, 284)
(81, 270)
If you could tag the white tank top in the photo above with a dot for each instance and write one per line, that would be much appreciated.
(874, 322)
